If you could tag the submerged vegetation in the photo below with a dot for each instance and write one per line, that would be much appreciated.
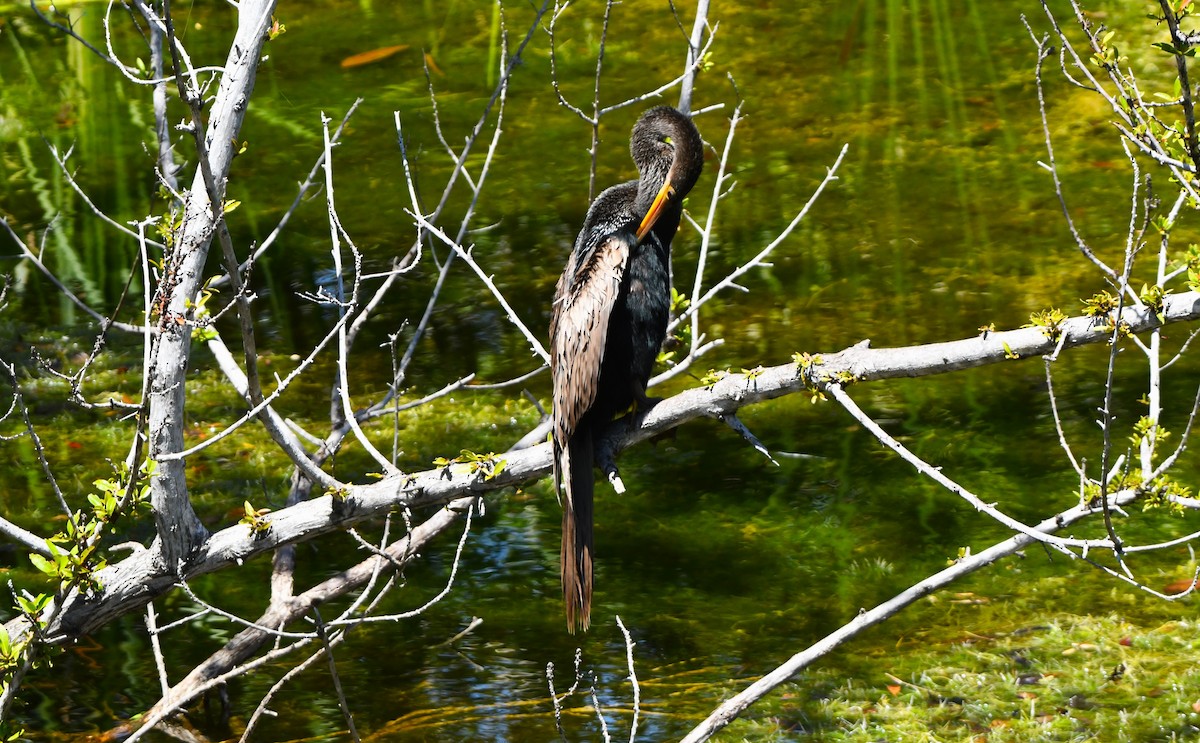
(1070, 677)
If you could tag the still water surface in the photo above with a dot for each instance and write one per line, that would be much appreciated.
(721, 564)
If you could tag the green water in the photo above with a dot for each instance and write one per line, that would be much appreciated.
(721, 564)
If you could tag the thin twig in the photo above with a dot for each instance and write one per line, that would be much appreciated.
(637, 691)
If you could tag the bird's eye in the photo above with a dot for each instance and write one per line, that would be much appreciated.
(667, 140)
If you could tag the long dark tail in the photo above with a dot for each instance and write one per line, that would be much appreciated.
(576, 556)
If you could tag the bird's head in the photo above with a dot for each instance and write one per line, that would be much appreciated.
(669, 155)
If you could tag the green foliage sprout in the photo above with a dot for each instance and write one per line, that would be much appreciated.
(75, 551)
(1155, 298)
(203, 332)
(488, 465)
(815, 383)
(712, 376)
(753, 374)
(256, 519)
(1050, 321)
(1107, 55)
(107, 501)
(1100, 305)
(682, 337)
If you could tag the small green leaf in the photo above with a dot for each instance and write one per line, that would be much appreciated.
(33, 605)
(497, 468)
(42, 564)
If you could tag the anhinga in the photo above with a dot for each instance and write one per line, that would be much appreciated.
(609, 320)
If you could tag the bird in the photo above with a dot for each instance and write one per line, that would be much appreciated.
(608, 322)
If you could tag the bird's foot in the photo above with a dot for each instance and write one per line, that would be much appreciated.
(615, 479)
(606, 461)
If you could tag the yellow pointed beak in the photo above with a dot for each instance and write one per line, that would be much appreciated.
(656, 207)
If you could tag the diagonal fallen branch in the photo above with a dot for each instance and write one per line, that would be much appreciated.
(733, 707)
(130, 584)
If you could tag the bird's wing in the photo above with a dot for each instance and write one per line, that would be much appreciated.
(579, 329)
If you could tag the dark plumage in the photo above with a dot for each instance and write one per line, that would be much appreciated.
(609, 319)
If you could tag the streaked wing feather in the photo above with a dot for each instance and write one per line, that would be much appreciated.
(579, 330)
